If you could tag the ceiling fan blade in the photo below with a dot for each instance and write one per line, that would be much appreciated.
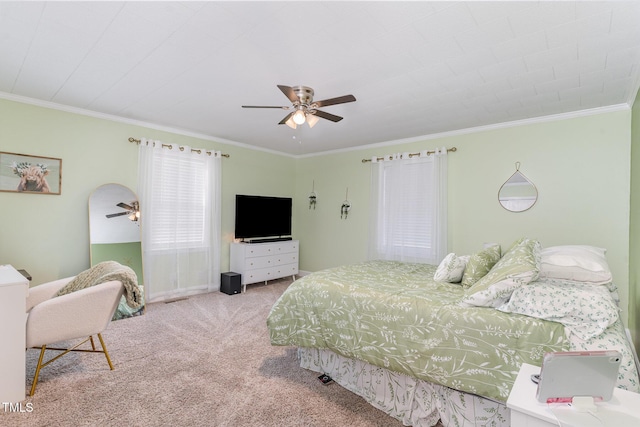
(284, 121)
(289, 93)
(264, 106)
(327, 116)
(117, 214)
(333, 101)
(125, 206)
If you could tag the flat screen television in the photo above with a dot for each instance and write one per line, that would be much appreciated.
(262, 217)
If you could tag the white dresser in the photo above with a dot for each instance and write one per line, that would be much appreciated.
(260, 262)
(14, 289)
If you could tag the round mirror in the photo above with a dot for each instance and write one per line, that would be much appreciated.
(517, 194)
(114, 233)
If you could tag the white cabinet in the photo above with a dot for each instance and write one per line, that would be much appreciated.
(14, 289)
(259, 262)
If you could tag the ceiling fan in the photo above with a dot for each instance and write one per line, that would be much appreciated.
(304, 108)
(133, 210)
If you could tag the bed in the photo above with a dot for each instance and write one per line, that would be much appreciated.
(425, 343)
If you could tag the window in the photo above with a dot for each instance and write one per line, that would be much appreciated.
(179, 190)
(408, 210)
(406, 216)
(179, 218)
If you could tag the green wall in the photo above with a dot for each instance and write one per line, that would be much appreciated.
(581, 167)
(128, 253)
(48, 235)
(634, 234)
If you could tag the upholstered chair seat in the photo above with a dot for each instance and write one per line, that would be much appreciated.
(76, 315)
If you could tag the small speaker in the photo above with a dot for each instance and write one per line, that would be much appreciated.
(230, 283)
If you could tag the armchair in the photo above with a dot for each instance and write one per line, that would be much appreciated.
(80, 314)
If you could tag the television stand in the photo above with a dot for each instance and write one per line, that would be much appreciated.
(261, 262)
(270, 239)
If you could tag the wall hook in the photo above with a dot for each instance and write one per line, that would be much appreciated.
(313, 196)
(346, 206)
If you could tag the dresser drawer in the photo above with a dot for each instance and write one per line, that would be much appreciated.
(264, 274)
(266, 249)
(270, 261)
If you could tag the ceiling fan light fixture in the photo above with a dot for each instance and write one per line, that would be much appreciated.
(312, 119)
(304, 108)
(299, 117)
(291, 123)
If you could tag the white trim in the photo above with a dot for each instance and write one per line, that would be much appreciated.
(515, 123)
(176, 295)
(503, 125)
(114, 118)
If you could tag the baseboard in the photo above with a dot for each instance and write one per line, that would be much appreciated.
(303, 273)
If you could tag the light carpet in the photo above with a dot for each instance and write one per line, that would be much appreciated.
(203, 361)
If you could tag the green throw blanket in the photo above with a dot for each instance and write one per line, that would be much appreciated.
(105, 272)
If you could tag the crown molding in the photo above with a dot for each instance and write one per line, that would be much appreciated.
(503, 125)
(119, 119)
(428, 137)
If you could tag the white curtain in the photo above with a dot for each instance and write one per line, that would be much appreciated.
(408, 211)
(179, 190)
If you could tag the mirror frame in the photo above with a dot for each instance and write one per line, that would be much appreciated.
(104, 233)
(527, 182)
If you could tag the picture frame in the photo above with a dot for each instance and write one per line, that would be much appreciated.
(25, 173)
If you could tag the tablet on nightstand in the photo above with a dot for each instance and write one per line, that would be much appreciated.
(565, 375)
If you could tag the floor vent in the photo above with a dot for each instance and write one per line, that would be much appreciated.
(169, 301)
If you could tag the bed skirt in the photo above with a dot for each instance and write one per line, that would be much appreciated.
(412, 401)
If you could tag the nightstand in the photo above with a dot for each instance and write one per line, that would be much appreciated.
(622, 410)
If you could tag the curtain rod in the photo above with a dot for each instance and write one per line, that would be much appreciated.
(170, 146)
(453, 149)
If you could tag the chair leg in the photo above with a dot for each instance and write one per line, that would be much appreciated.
(65, 351)
(35, 376)
(106, 353)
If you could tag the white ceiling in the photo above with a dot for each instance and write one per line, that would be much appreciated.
(416, 68)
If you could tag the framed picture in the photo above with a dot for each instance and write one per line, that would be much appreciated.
(22, 173)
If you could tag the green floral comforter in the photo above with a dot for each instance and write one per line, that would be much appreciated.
(394, 315)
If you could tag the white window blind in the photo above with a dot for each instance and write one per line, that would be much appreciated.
(178, 203)
(407, 218)
(408, 210)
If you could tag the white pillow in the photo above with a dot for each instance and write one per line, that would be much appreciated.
(451, 268)
(577, 263)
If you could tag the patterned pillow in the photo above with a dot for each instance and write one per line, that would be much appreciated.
(586, 310)
(518, 267)
(479, 265)
(451, 268)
